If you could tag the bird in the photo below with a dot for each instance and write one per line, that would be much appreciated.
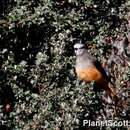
(89, 69)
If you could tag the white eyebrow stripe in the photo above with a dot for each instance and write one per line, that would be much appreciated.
(79, 45)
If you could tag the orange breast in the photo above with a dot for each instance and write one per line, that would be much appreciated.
(90, 74)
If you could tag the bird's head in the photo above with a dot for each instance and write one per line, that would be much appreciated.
(79, 49)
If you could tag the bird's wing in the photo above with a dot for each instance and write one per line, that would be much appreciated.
(101, 69)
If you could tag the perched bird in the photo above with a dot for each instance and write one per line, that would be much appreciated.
(88, 69)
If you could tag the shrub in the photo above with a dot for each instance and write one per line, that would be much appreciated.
(39, 89)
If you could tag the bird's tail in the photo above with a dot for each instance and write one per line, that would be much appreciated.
(111, 92)
(118, 102)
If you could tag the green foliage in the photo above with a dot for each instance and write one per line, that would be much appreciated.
(37, 61)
